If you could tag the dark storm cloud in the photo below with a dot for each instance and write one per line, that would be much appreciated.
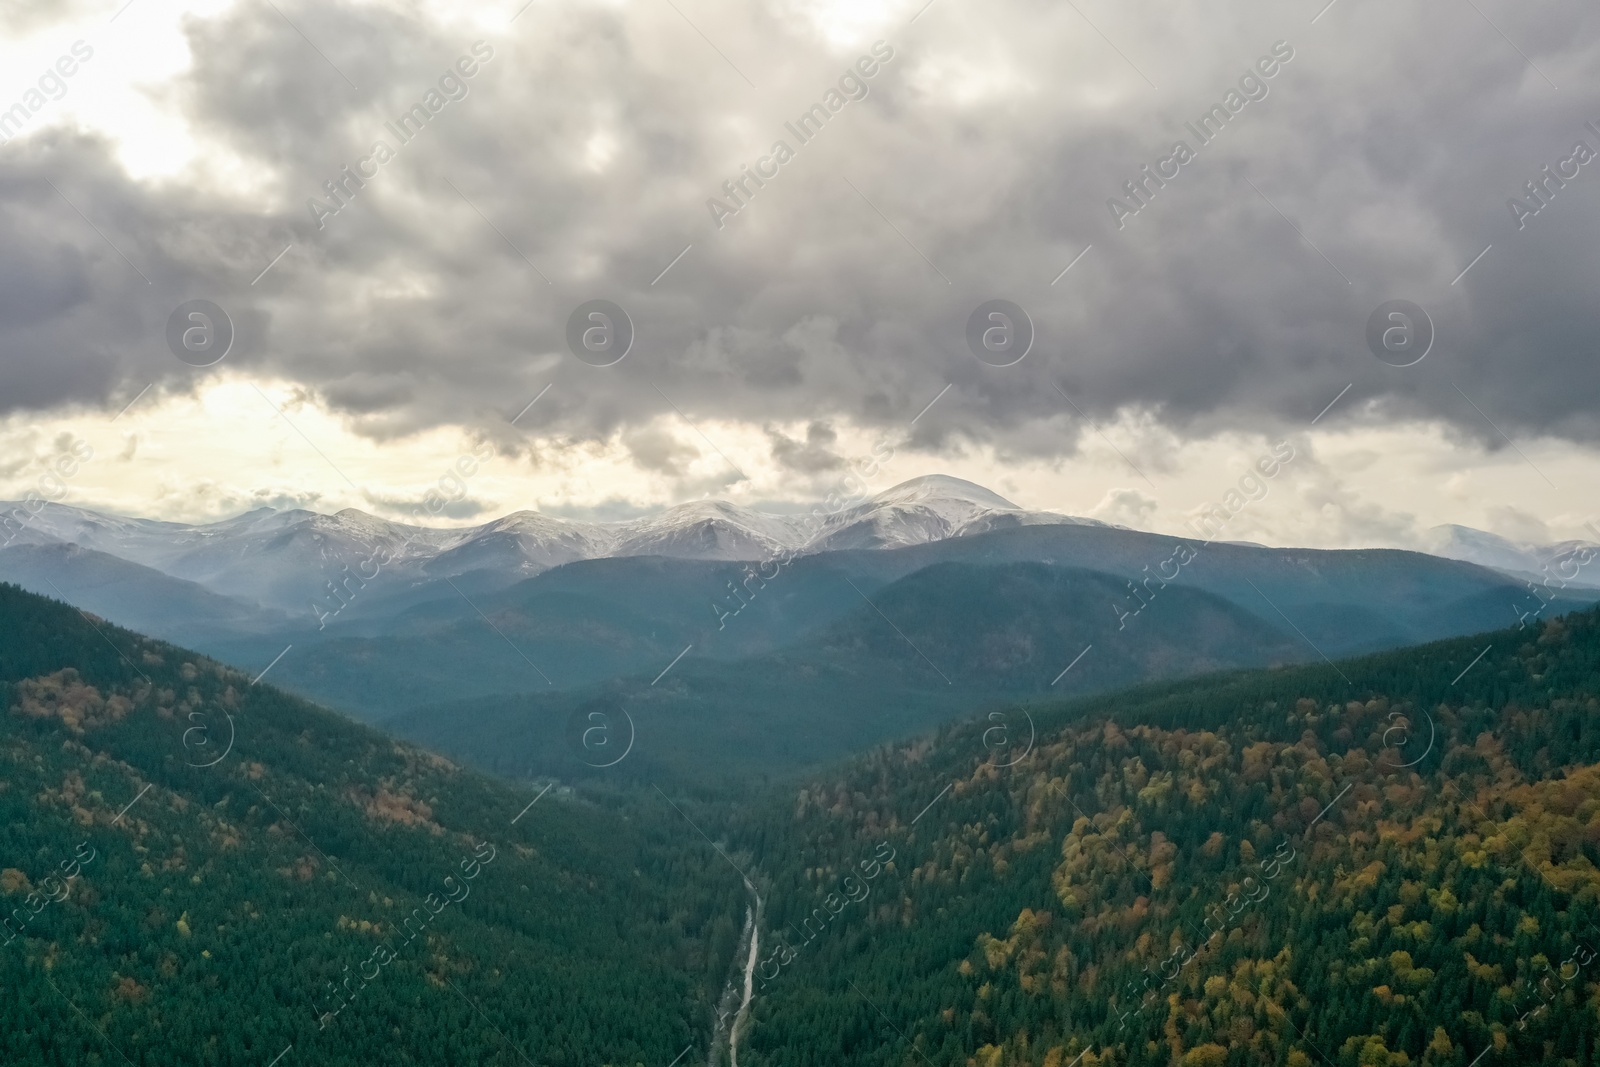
(576, 164)
(658, 450)
(814, 455)
(43, 281)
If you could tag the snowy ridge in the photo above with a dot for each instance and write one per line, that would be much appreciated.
(1575, 562)
(282, 559)
(935, 507)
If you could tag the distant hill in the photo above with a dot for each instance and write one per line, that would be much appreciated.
(921, 650)
(1575, 563)
(594, 620)
(140, 597)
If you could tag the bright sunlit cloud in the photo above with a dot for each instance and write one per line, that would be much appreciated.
(237, 444)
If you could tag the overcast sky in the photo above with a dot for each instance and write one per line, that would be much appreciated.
(1175, 339)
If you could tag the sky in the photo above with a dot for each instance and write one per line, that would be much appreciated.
(1340, 164)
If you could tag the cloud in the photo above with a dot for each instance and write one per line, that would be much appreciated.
(23, 18)
(411, 509)
(209, 498)
(1319, 500)
(1518, 525)
(979, 166)
(1125, 507)
(655, 449)
(813, 456)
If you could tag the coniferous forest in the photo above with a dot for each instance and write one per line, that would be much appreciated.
(1389, 860)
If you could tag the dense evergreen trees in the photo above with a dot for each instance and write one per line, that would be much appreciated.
(1367, 864)
(1385, 861)
(228, 912)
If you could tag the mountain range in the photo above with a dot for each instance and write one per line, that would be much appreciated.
(1571, 561)
(286, 561)
(890, 614)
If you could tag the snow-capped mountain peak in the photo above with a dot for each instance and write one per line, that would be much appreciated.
(1573, 562)
(944, 488)
(290, 558)
(931, 508)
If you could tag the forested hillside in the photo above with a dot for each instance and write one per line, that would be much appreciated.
(928, 648)
(1370, 863)
(1381, 861)
(198, 870)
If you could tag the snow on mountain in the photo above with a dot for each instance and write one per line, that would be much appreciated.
(1575, 562)
(64, 524)
(285, 560)
(931, 508)
(352, 569)
(523, 543)
(279, 560)
(707, 529)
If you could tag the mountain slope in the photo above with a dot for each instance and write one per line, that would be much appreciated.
(1394, 860)
(140, 597)
(1379, 861)
(1346, 600)
(919, 651)
(195, 870)
(935, 507)
(1565, 561)
(597, 619)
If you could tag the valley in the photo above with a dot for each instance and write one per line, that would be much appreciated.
(1366, 858)
(464, 605)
